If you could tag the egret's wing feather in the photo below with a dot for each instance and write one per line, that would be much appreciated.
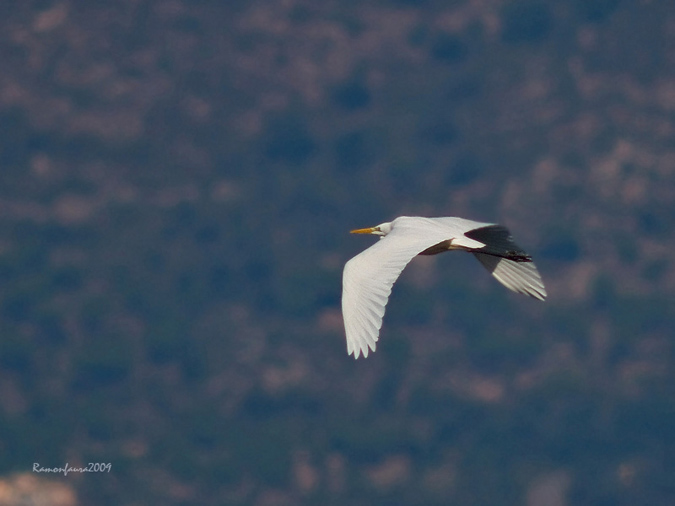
(457, 228)
(521, 277)
(369, 276)
(366, 285)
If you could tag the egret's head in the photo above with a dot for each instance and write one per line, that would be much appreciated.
(382, 229)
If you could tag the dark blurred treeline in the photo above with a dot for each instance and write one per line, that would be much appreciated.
(177, 183)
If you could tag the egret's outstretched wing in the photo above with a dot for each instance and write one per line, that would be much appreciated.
(521, 277)
(506, 261)
(366, 285)
(368, 277)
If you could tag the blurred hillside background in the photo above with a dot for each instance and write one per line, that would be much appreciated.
(177, 183)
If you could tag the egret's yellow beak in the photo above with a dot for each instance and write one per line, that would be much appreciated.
(370, 230)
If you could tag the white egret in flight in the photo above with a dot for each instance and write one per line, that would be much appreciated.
(368, 277)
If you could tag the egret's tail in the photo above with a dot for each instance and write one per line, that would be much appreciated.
(498, 242)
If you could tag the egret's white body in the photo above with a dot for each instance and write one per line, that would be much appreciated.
(368, 277)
